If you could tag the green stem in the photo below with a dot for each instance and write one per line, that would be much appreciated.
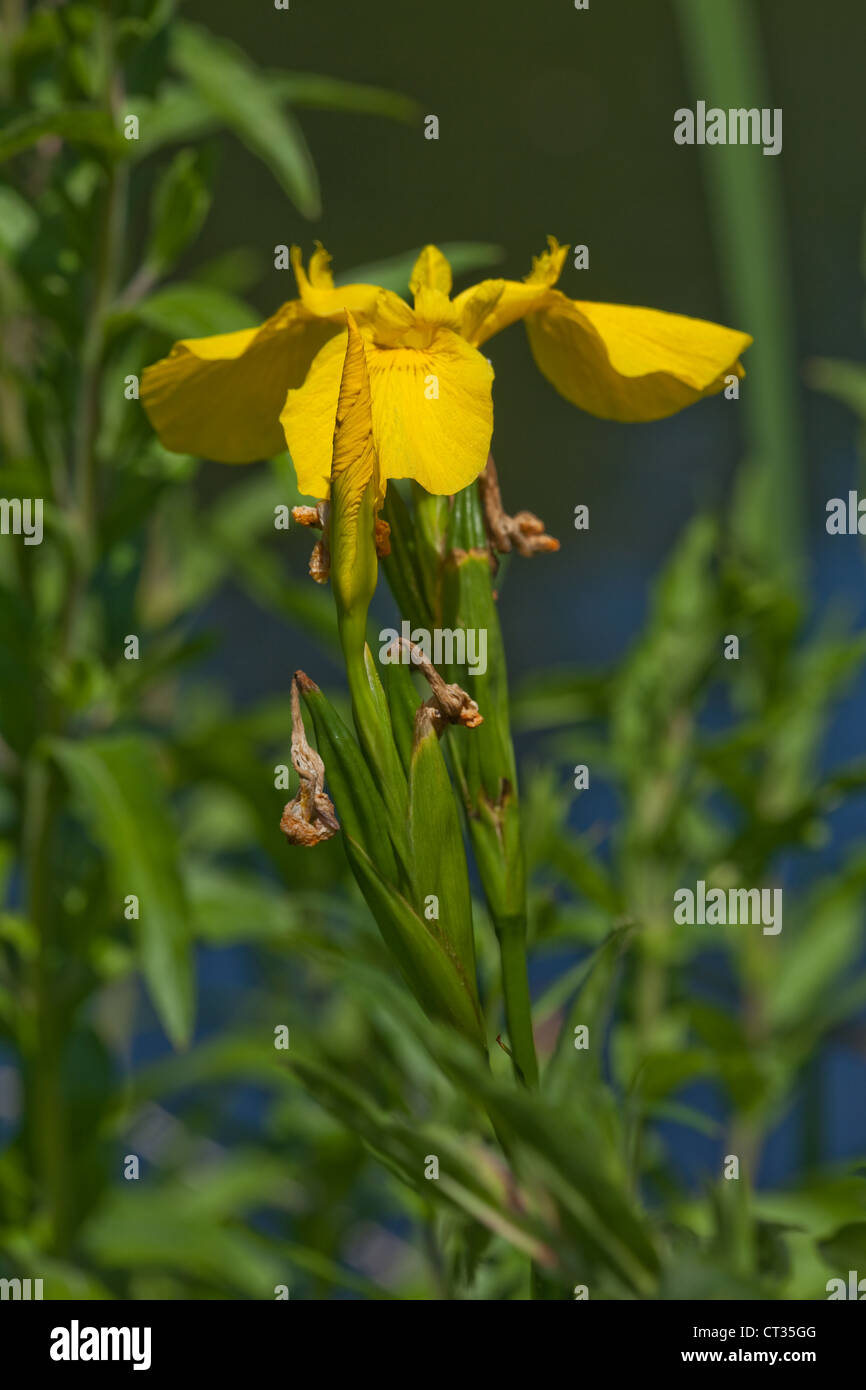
(375, 734)
(43, 789)
(86, 463)
(723, 59)
(49, 1118)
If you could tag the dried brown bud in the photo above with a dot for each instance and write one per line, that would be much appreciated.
(383, 538)
(451, 703)
(310, 817)
(320, 562)
(523, 532)
(317, 518)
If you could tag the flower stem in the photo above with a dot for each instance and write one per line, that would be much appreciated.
(49, 1116)
(43, 787)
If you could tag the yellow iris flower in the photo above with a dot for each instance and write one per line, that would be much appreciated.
(237, 397)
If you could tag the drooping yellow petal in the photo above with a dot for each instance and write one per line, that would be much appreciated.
(220, 397)
(624, 363)
(432, 412)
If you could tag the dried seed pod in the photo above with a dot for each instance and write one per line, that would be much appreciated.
(310, 817)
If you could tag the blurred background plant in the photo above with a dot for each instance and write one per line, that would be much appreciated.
(153, 1036)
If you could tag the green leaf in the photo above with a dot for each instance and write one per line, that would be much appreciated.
(192, 311)
(178, 113)
(180, 205)
(819, 954)
(821, 1207)
(430, 970)
(80, 125)
(472, 1179)
(663, 1072)
(437, 853)
(402, 564)
(403, 702)
(333, 94)
(846, 381)
(847, 1248)
(591, 1006)
(573, 1158)
(187, 1226)
(237, 93)
(117, 783)
(18, 221)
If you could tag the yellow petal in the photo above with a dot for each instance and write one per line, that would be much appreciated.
(320, 269)
(491, 305)
(547, 268)
(623, 363)
(220, 397)
(321, 299)
(431, 271)
(442, 440)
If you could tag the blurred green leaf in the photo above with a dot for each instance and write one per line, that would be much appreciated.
(178, 114)
(847, 1248)
(236, 92)
(80, 125)
(571, 1157)
(18, 221)
(591, 1006)
(846, 381)
(333, 94)
(821, 1207)
(820, 952)
(190, 310)
(187, 1226)
(181, 201)
(117, 783)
